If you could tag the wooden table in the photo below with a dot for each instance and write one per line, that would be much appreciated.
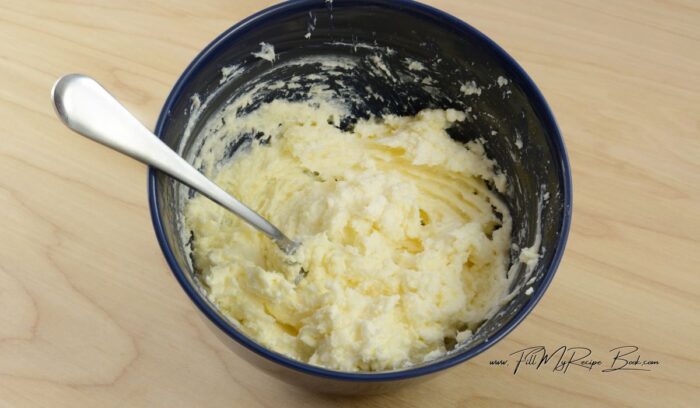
(91, 316)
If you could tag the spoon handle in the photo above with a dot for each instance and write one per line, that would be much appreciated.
(88, 109)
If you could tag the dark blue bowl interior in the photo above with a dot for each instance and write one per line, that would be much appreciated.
(514, 119)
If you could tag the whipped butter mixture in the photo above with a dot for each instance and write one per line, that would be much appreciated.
(404, 247)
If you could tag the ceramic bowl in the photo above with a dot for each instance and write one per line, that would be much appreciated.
(466, 71)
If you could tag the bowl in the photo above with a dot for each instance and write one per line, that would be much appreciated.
(380, 56)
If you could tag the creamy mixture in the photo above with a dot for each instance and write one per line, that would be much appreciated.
(404, 247)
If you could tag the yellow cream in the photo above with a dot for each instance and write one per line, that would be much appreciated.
(402, 247)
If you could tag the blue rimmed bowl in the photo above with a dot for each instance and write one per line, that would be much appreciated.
(466, 70)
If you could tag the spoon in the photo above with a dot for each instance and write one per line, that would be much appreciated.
(88, 109)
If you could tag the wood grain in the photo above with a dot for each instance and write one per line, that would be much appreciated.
(90, 315)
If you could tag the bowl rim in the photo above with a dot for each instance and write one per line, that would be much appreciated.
(535, 97)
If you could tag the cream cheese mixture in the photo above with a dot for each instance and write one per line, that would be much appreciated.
(404, 247)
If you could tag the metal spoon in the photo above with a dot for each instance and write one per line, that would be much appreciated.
(88, 109)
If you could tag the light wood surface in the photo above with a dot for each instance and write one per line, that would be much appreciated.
(91, 316)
